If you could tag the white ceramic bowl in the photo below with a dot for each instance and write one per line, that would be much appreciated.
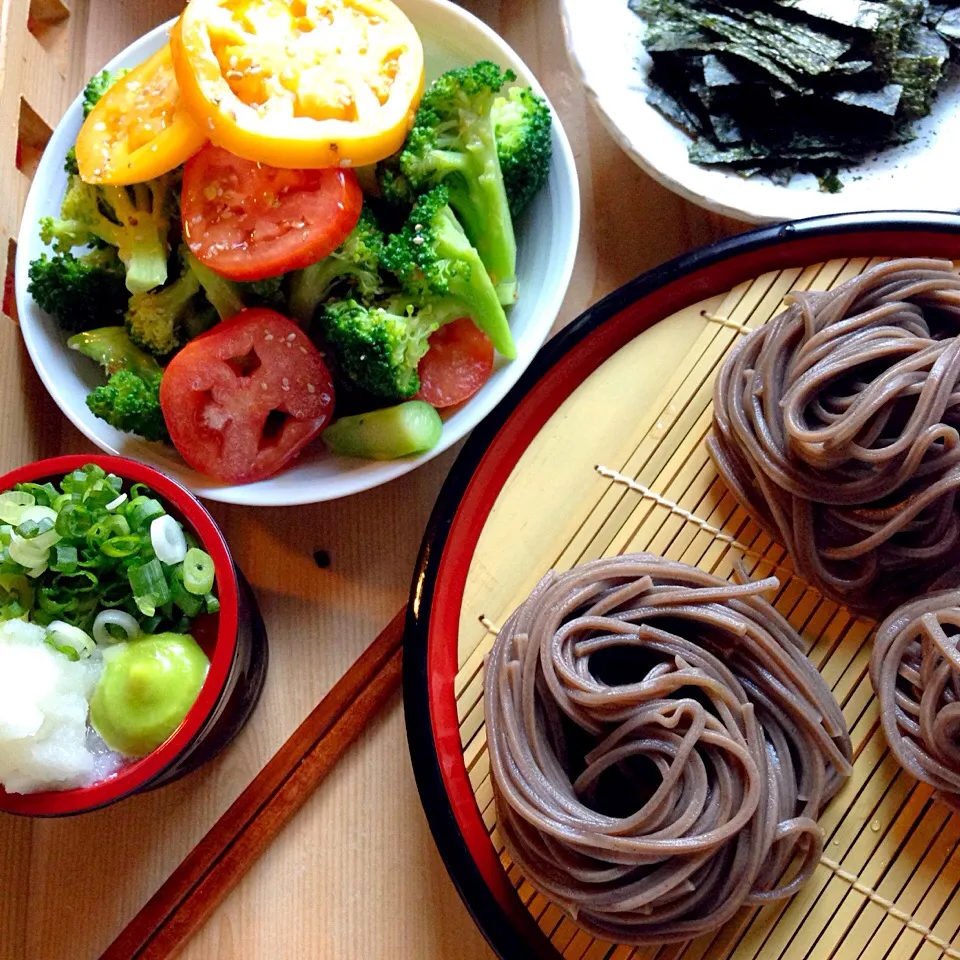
(604, 40)
(547, 237)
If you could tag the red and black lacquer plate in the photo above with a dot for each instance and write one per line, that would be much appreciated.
(486, 463)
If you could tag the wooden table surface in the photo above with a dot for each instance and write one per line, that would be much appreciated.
(356, 874)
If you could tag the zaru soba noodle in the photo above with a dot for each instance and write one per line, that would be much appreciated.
(915, 671)
(660, 747)
(836, 425)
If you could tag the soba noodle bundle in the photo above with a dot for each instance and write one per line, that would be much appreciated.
(915, 671)
(836, 426)
(660, 747)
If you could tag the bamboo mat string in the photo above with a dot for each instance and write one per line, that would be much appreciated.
(905, 918)
(726, 322)
(679, 511)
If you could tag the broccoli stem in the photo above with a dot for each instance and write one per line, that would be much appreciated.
(220, 291)
(474, 296)
(482, 206)
(310, 286)
(154, 318)
(142, 247)
(113, 349)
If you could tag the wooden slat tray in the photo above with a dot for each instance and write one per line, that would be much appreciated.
(620, 466)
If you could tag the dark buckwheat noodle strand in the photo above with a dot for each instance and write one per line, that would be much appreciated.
(915, 672)
(836, 426)
(738, 739)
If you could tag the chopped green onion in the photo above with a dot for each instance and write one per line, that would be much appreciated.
(150, 587)
(37, 521)
(142, 510)
(93, 546)
(115, 594)
(125, 627)
(79, 481)
(12, 505)
(187, 602)
(83, 581)
(69, 652)
(74, 520)
(12, 610)
(43, 493)
(60, 635)
(121, 546)
(39, 528)
(47, 604)
(26, 554)
(112, 525)
(198, 571)
(65, 559)
(16, 596)
(167, 539)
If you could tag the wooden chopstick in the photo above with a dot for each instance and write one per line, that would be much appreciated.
(234, 843)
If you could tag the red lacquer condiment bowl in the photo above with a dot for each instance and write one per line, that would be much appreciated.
(234, 639)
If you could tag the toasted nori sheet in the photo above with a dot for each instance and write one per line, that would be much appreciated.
(673, 110)
(791, 52)
(885, 101)
(948, 25)
(858, 14)
(918, 66)
(725, 128)
(776, 86)
(717, 74)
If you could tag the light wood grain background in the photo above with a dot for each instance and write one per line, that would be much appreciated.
(356, 874)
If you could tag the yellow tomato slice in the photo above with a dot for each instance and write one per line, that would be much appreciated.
(138, 129)
(300, 83)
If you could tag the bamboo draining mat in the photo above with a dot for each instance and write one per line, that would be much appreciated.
(622, 467)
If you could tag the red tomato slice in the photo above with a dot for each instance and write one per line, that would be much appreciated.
(248, 221)
(242, 400)
(458, 363)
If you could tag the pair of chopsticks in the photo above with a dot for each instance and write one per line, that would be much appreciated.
(234, 843)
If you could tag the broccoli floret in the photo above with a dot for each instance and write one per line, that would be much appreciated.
(70, 162)
(130, 403)
(453, 142)
(130, 400)
(263, 293)
(440, 270)
(80, 292)
(97, 86)
(199, 317)
(113, 349)
(154, 319)
(357, 259)
(379, 347)
(392, 185)
(521, 123)
(133, 219)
